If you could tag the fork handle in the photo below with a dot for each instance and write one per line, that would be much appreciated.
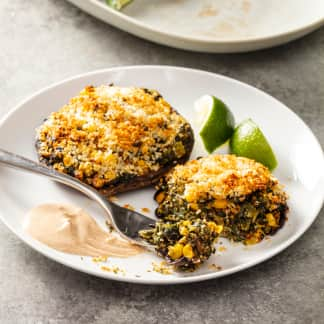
(19, 162)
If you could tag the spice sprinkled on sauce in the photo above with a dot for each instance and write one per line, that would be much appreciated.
(128, 206)
(145, 210)
(71, 230)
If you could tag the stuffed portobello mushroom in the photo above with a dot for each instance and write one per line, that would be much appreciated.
(115, 139)
(235, 197)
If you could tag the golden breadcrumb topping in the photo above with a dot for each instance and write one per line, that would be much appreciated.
(107, 131)
(220, 177)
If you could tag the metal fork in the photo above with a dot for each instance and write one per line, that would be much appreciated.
(126, 222)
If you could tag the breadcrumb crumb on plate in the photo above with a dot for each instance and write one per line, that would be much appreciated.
(162, 268)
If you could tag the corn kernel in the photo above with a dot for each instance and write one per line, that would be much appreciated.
(219, 229)
(192, 228)
(78, 174)
(90, 127)
(186, 223)
(194, 206)
(187, 251)
(215, 228)
(252, 240)
(111, 158)
(86, 168)
(175, 251)
(220, 204)
(67, 160)
(183, 230)
(59, 167)
(97, 182)
(144, 149)
(271, 220)
(142, 163)
(109, 175)
(190, 196)
(159, 197)
(179, 149)
(211, 225)
(255, 238)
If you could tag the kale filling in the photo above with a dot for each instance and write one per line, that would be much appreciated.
(241, 219)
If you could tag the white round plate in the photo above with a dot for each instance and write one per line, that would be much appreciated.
(217, 26)
(301, 167)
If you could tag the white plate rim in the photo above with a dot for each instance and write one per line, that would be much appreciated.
(166, 281)
(205, 44)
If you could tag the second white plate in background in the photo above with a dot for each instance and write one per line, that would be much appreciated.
(213, 25)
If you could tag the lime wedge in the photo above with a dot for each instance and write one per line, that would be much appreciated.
(118, 4)
(216, 120)
(249, 141)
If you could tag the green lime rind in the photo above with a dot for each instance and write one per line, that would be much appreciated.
(219, 126)
(118, 4)
(249, 141)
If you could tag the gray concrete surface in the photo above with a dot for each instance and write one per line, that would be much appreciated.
(43, 41)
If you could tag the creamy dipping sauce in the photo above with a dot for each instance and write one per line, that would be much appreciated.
(70, 229)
